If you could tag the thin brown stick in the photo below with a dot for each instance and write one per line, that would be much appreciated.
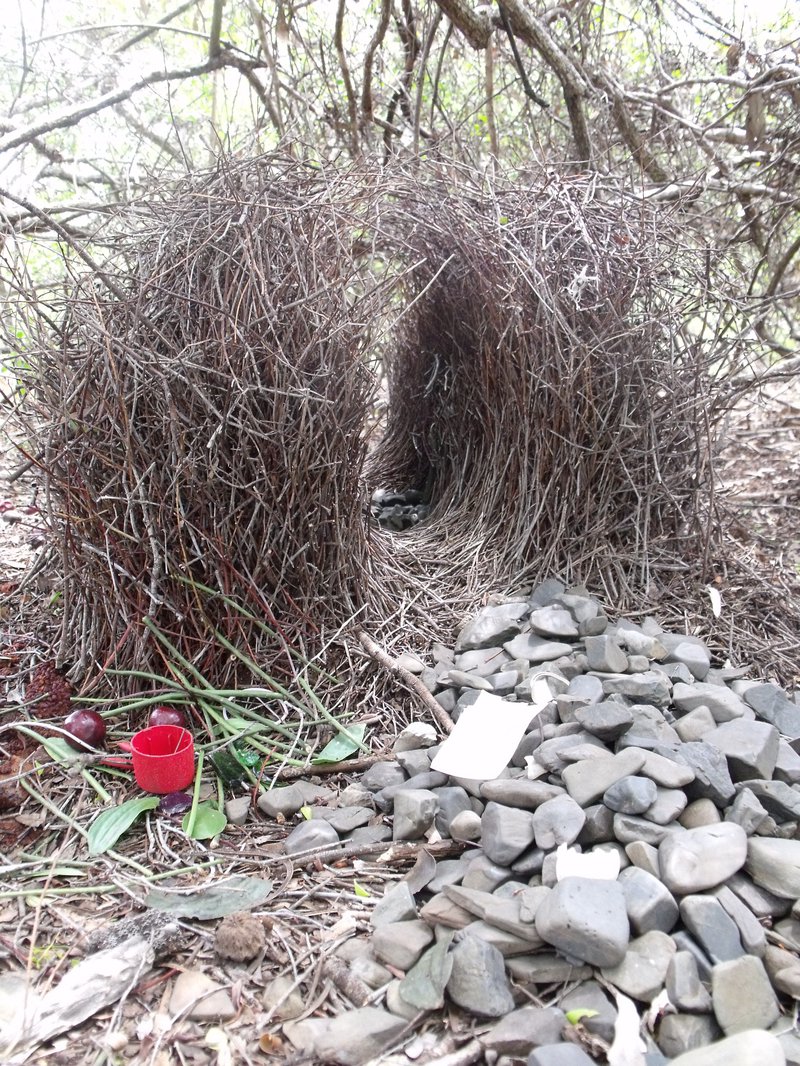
(442, 718)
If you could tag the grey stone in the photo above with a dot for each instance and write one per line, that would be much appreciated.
(355, 795)
(396, 905)
(676, 672)
(414, 811)
(545, 968)
(344, 819)
(551, 754)
(685, 942)
(520, 792)
(199, 997)
(665, 771)
(762, 903)
(507, 943)
(723, 704)
(775, 865)
(397, 1005)
(742, 995)
(695, 656)
(585, 919)
(787, 765)
(478, 981)
(466, 826)
(635, 639)
(787, 933)
(424, 984)
(439, 910)
(750, 747)
(607, 720)
(698, 813)
(702, 858)
(535, 649)
(712, 778)
(605, 655)
(472, 899)
(559, 1055)
(684, 987)
(682, 1035)
(370, 834)
(598, 827)
(553, 622)
(312, 834)
(483, 663)
(779, 799)
(504, 682)
(630, 794)
(415, 735)
(237, 809)
(452, 800)
(485, 875)
(747, 811)
(695, 725)
(649, 903)
(644, 857)
(650, 687)
(400, 944)
(650, 729)
(283, 999)
(287, 800)
(580, 605)
(530, 899)
(506, 914)
(643, 972)
(492, 626)
(557, 821)
(638, 664)
(590, 996)
(415, 761)
(772, 705)
(454, 678)
(586, 781)
(744, 1049)
(712, 927)
(783, 969)
(412, 663)
(668, 806)
(370, 971)
(629, 829)
(356, 1036)
(382, 775)
(505, 832)
(751, 931)
(524, 1029)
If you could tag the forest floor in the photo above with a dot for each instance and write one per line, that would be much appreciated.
(45, 918)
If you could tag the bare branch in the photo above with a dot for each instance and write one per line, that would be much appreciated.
(477, 28)
(352, 110)
(369, 59)
(214, 46)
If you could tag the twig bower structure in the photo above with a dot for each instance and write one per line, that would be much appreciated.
(211, 443)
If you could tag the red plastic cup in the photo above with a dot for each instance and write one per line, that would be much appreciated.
(163, 758)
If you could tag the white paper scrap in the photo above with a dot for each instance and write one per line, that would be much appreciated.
(485, 737)
(602, 864)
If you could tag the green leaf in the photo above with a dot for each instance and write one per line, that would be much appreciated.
(360, 890)
(208, 821)
(306, 812)
(60, 751)
(109, 826)
(574, 1016)
(238, 893)
(341, 746)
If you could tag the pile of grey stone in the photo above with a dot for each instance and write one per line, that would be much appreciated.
(685, 774)
(398, 511)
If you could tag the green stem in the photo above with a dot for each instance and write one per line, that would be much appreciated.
(195, 795)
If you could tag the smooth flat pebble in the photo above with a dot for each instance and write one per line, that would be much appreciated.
(702, 858)
(754, 1047)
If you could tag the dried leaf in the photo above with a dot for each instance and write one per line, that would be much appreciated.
(212, 901)
(716, 600)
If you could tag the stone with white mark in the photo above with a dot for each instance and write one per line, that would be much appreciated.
(702, 858)
(557, 821)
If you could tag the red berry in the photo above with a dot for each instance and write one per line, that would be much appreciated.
(86, 728)
(163, 714)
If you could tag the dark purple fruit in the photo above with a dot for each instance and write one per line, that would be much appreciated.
(86, 729)
(163, 714)
(175, 803)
